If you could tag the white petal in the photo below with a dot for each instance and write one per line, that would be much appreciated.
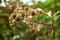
(29, 16)
(49, 13)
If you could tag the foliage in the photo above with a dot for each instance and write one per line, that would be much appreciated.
(38, 26)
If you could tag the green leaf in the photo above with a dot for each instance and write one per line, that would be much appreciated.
(44, 30)
(55, 18)
(23, 14)
(56, 33)
(41, 5)
(17, 1)
(40, 17)
(1, 37)
(0, 1)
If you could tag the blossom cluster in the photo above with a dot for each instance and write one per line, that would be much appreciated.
(26, 15)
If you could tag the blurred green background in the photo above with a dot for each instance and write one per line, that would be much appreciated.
(19, 30)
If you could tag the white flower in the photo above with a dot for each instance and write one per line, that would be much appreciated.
(16, 36)
(24, 21)
(35, 10)
(13, 20)
(39, 27)
(49, 13)
(39, 9)
(29, 16)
